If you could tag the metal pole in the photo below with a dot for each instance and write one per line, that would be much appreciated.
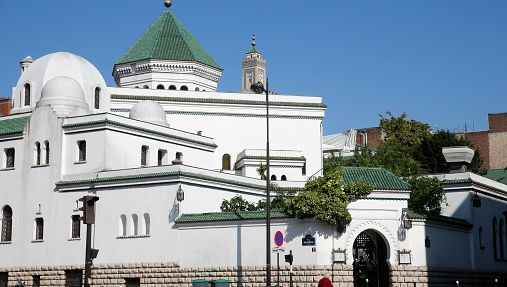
(88, 255)
(268, 197)
(278, 269)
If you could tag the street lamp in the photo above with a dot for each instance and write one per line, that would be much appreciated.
(258, 88)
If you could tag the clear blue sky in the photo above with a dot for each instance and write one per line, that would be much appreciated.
(443, 62)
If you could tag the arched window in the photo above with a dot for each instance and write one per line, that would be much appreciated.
(495, 253)
(481, 239)
(135, 225)
(97, 98)
(273, 177)
(37, 154)
(144, 155)
(146, 224)
(146, 87)
(283, 178)
(501, 229)
(184, 88)
(75, 227)
(46, 152)
(6, 224)
(226, 162)
(39, 229)
(197, 89)
(123, 226)
(27, 94)
(172, 87)
(160, 87)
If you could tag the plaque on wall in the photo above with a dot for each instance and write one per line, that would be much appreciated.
(308, 240)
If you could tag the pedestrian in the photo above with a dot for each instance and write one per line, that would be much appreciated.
(325, 281)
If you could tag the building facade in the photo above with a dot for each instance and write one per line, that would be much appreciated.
(163, 149)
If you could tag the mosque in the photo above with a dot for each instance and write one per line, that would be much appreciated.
(164, 148)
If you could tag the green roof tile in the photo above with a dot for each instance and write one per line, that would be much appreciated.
(228, 216)
(12, 126)
(499, 175)
(379, 178)
(168, 39)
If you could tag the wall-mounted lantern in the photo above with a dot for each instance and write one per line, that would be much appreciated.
(404, 257)
(339, 256)
(180, 194)
(476, 201)
(407, 223)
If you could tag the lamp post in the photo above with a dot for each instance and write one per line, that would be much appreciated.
(258, 88)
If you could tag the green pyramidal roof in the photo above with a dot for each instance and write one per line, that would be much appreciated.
(168, 39)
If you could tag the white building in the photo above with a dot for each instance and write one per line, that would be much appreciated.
(164, 149)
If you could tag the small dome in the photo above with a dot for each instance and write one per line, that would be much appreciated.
(148, 111)
(59, 64)
(65, 96)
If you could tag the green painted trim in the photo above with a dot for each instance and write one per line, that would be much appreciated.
(440, 219)
(229, 216)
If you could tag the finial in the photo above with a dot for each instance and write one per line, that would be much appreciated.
(253, 41)
(168, 3)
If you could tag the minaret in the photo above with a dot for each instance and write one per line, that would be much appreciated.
(253, 68)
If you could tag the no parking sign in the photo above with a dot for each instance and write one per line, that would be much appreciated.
(279, 242)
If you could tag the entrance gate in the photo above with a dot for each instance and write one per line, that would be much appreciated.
(370, 260)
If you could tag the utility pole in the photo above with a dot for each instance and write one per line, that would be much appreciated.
(88, 218)
(258, 88)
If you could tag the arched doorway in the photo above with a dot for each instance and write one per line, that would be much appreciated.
(370, 260)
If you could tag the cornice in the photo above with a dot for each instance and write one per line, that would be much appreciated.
(107, 123)
(239, 115)
(217, 101)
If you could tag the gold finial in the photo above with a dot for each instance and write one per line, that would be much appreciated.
(253, 41)
(168, 3)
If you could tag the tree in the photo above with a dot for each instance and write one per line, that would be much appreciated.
(427, 195)
(326, 198)
(237, 204)
(430, 152)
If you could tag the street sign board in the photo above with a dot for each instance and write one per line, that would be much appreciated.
(279, 242)
(308, 240)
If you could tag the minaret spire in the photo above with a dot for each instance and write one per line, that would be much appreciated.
(254, 67)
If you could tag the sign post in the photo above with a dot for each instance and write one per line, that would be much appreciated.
(279, 244)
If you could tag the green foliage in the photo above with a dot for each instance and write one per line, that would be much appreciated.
(427, 195)
(236, 204)
(430, 152)
(403, 131)
(326, 198)
(262, 171)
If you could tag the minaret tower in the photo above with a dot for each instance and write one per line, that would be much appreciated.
(253, 68)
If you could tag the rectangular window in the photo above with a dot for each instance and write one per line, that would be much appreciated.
(39, 229)
(81, 146)
(76, 226)
(73, 278)
(132, 282)
(4, 278)
(10, 157)
(144, 155)
(36, 281)
(162, 157)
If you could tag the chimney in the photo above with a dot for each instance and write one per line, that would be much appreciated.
(25, 63)
(458, 158)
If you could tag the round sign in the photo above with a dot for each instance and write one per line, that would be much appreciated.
(278, 238)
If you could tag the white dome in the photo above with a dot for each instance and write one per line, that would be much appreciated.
(148, 111)
(60, 64)
(65, 96)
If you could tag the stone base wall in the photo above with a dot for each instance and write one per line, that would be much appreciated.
(168, 274)
(412, 276)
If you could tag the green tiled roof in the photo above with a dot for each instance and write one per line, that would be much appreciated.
(379, 178)
(12, 126)
(228, 216)
(167, 39)
(499, 175)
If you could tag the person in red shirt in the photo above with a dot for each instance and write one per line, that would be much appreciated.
(325, 281)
